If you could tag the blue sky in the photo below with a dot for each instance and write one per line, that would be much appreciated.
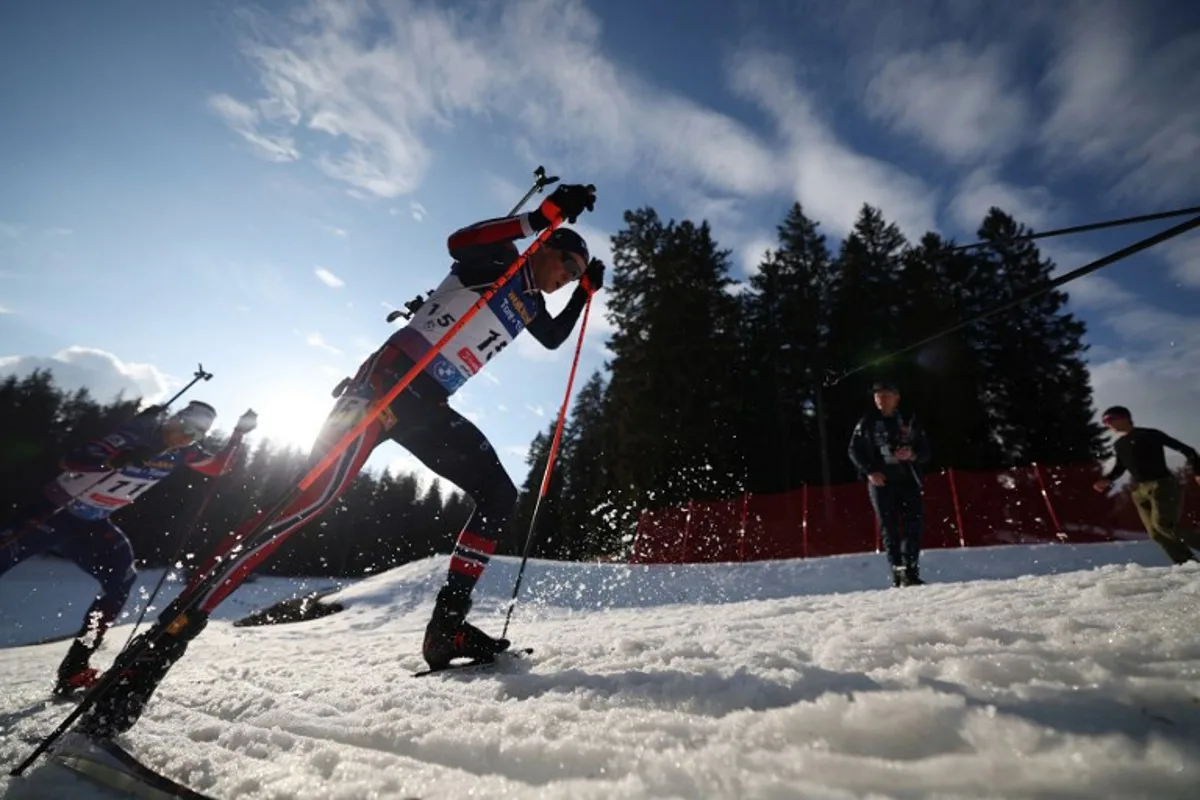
(253, 187)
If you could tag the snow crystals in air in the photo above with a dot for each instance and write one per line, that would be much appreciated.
(1053, 671)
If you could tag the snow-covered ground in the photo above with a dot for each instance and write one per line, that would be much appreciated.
(1054, 671)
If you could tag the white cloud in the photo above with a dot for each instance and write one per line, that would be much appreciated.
(4, 310)
(829, 179)
(537, 411)
(60, 232)
(1183, 257)
(316, 340)
(328, 278)
(1125, 101)
(981, 189)
(754, 252)
(956, 99)
(245, 121)
(103, 374)
(1094, 291)
(367, 108)
(341, 232)
(11, 230)
(418, 211)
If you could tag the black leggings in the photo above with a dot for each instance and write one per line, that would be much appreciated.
(421, 420)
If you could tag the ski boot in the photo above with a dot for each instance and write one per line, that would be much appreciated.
(138, 677)
(74, 673)
(449, 636)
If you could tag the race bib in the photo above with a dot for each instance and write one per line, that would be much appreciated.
(94, 499)
(487, 333)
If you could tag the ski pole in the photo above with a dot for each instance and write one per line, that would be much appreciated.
(188, 531)
(214, 576)
(545, 488)
(157, 409)
(197, 376)
(540, 182)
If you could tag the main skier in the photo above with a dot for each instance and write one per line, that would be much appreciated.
(421, 420)
(72, 515)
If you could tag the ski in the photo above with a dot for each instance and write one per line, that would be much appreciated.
(107, 763)
(477, 664)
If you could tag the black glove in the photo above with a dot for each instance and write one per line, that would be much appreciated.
(572, 199)
(593, 276)
(130, 457)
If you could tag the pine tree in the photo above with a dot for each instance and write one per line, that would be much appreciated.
(1037, 388)
(402, 516)
(786, 327)
(673, 394)
(868, 301)
(433, 533)
(943, 381)
(550, 538)
(587, 483)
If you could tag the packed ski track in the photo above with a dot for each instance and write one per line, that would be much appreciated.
(1053, 671)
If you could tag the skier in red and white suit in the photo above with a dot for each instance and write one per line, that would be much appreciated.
(421, 420)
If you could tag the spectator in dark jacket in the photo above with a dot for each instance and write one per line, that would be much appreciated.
(1157, 494)
(888, 449)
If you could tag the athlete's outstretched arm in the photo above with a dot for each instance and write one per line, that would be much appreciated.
(219, 463)
(553, 331)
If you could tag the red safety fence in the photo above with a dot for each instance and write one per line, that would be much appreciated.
(1022, 505)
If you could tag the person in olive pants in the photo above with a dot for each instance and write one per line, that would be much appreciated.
(1156, 492)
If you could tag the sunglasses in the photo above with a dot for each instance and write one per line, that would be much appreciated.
(574, 265)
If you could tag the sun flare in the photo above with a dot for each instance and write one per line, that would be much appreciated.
(291, 417)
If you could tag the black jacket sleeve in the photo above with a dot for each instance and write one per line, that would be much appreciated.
(862, 451)
(553, 331)
(1189, 452)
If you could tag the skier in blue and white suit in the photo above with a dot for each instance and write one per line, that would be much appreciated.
(71, 517)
